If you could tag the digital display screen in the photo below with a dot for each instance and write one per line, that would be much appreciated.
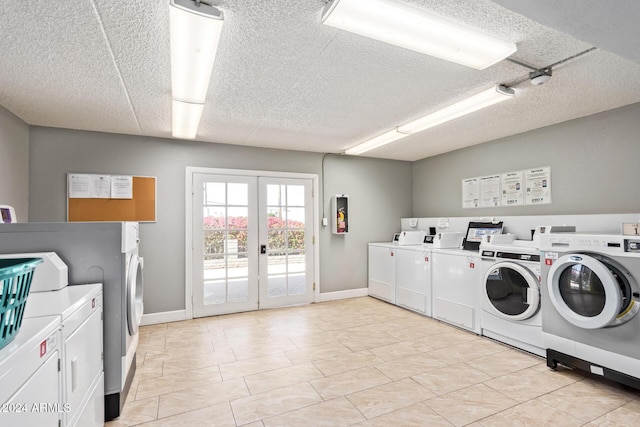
(478, 229)
(475, 234)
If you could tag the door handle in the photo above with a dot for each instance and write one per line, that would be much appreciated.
(263, 249)
(74, 373)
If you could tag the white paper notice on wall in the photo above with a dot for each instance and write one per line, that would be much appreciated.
(490, 191)
(88, 186)
(121, 187)
(513, 188)
(101, 186)
(516, 188)
(538, 185)
(79, 186)
(471, 193)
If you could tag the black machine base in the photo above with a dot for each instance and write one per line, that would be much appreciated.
(555, 357)
(113, 403)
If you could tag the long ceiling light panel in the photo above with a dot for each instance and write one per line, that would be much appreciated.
(195, 34)
(469, 105)
(375, 142)
(476, 102)
(416, 29)
(185, 119)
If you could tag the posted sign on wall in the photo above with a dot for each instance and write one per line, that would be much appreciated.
(94, 197)
(516, 188)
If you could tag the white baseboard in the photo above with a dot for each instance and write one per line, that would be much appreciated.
(179, 315)
(350, 293)
(163, 317)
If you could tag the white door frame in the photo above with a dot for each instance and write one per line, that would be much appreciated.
(190, 171)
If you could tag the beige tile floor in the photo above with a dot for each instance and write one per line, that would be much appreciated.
(354, 362)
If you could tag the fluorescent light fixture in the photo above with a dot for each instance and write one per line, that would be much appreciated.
(195, 33)
(186, 119)
(416, 29)
(476, 102)
(375, 142)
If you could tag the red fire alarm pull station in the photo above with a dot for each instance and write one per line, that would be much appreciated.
(340, 214)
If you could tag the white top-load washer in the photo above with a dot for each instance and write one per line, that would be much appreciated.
(384, 269)
(29, 375)
(413, 277)
(80, 310)
(455, 277)
(590, 299)
(510, 293)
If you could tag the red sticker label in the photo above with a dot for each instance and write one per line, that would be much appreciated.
(472, 265)
(548, 261)
(43, 348)
(426, 259)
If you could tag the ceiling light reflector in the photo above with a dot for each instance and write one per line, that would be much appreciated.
(195, 33)
(416, 29)
(375, 142)
(186, 119)
(476, 102)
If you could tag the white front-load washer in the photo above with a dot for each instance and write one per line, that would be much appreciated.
(590, 300)
(510, 295)
(132, 299)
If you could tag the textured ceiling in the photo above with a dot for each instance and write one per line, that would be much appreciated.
(284, 80)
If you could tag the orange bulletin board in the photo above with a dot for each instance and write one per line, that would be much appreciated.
(141, 208)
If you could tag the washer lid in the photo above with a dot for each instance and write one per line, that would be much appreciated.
(584, 291)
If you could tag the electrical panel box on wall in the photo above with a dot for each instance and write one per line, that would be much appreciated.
(340, 214)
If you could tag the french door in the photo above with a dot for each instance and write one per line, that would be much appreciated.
(252, 243)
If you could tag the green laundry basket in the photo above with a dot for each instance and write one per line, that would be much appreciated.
(15, 281)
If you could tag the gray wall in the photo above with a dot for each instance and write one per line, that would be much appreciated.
(378, 190)
(14, 163)
(371, 184)
(594, 168)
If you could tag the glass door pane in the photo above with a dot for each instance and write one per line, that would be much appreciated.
(233, 218)
(286, 229)
(225, 280)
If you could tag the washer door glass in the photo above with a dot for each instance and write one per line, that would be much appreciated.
(582, 290)
(512, 290)
(590, 291)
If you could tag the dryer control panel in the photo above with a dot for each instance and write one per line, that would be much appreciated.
(596, 242)
(605, 243)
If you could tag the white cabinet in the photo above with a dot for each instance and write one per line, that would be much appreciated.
(456, 283)
(382, 271)
(413, 278)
